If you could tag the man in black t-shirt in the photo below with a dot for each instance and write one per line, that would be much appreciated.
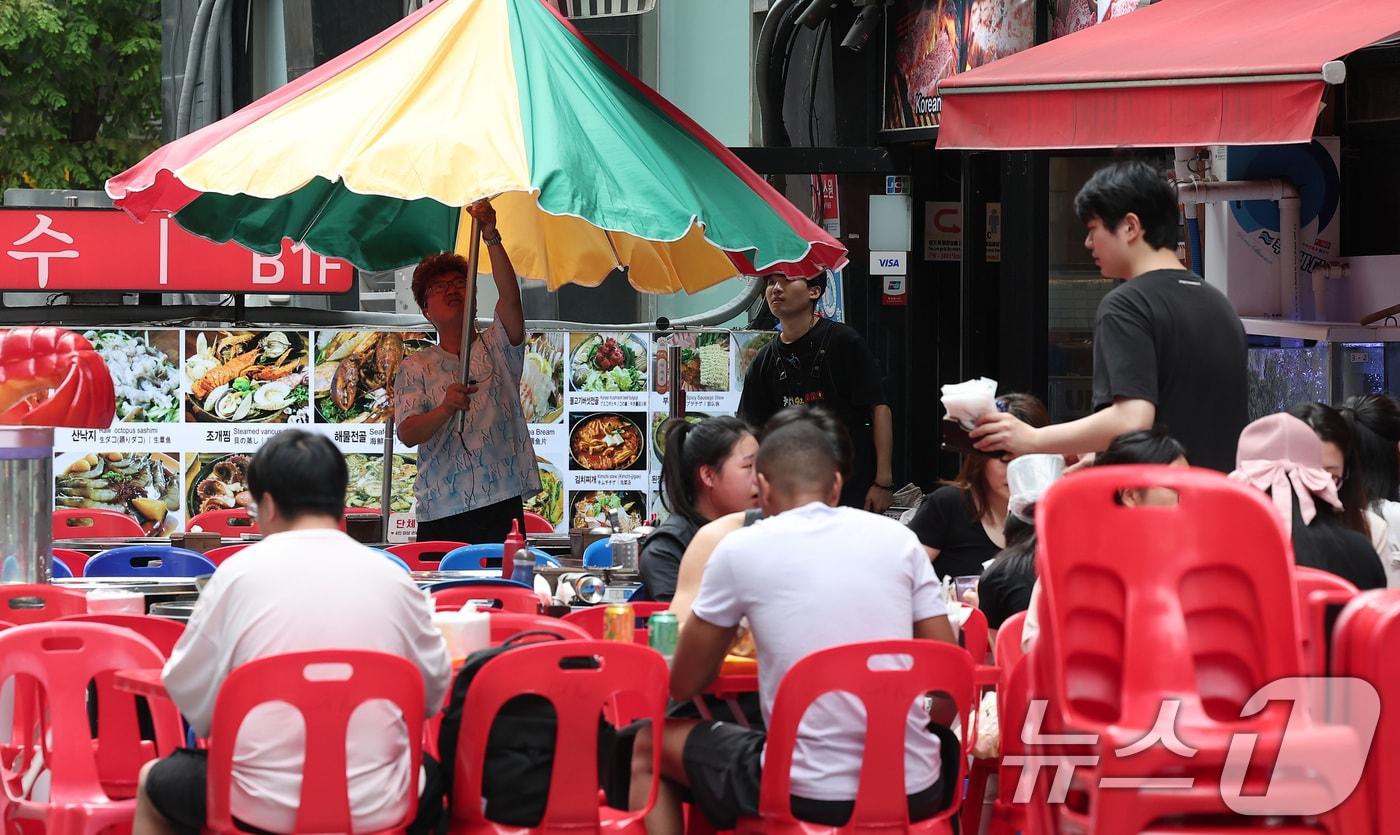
(818, 362)
(1169, 350)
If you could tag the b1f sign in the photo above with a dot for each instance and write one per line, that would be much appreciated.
(104, 249)
(889, 263)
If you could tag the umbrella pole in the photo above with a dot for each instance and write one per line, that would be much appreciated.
(469, 300)
(386, 486)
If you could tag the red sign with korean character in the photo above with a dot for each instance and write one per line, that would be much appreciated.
(52, 250)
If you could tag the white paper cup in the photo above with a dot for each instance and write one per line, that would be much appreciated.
(465, 632)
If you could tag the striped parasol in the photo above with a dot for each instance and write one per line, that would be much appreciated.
(371, 156)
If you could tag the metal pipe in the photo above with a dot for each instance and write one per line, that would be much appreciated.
(1289, 205)
(211, 45)
(192, 56)
(386, 485)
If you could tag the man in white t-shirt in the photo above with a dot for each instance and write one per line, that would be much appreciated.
(306, 586)
(809, 576)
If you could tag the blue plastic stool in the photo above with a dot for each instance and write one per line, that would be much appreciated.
(133, 561)
(470, 557)
(61, 571)
(598, 555)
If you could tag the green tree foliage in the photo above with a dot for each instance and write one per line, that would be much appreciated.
(79, 90)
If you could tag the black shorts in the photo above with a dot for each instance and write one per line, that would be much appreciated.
(177, 787)
(724, 764)
(485, 524)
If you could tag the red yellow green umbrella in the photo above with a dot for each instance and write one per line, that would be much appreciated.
(371, 156)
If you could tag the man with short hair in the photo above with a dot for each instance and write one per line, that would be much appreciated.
(809, 576)
(305, 586)
(818, 362)
(1169, 349)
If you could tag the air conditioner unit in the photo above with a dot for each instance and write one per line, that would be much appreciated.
(579, 9)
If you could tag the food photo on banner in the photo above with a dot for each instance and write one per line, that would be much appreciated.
(353, 373)
(542, 379)
(142, 485)
(246, 376)
(607, 362)
(1070, 16)
(145, 369)
(704, 361)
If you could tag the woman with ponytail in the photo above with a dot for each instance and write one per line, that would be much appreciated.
(708, 473)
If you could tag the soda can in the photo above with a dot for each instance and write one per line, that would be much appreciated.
(663, 631)
(619, 623)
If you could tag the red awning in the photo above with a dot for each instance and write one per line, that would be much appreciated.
(1179, 72)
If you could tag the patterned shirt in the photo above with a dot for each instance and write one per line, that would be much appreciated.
(492, 459)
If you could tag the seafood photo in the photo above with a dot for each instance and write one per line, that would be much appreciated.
(542, 381)
(606, 442)
(143, 485)
(592, 508)
(607, 362)
(143, 368)
(549, 502)
(217, 482)
(246, 376)
(354, 373)
(366, 488)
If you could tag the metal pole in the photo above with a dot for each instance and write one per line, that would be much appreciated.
(386, 486)
(469, 302)
(673, 355)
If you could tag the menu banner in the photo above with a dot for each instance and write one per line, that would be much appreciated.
(194, 405)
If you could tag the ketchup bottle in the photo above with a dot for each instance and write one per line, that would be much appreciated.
(514, 542)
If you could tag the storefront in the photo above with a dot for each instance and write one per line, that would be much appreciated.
(1240, 98)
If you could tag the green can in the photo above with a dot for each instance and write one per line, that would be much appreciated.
(663, 631)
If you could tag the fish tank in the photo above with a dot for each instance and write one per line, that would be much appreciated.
(1284, 371)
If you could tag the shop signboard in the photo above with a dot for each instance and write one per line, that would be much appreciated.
(193, 405)
(1070, 16)
(943, 231)
(930, 40)
(54, 250)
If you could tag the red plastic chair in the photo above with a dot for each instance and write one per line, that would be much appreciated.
(223, 552)
(1008, 647)
(74, 558)
(508, 598)
(887, 695)
(1318, 592)
(61, 658)
(535, 523)
(625, 674)
(591, 619)
(233, 522)
(423, 556)
(1363, 646)
(36, 603)
(1195, 600)
(975, 638)
(326, 706)
(163, 633)
(71, 523)
(505, 625)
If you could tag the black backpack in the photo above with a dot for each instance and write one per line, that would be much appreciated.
(520, 748)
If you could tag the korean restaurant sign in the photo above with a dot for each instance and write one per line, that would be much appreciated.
(101, 249)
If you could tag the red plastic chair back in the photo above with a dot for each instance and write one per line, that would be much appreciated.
(36, 603)
(223, 552)
(326, 706)
(424, 556)
(1008, 647)
(1318, 592)
(72, 523)
(888, 695)
(73, 558)
(505, 625)
(624, 673)
(1364, 646)
(976, 636)
(1195, 599)
(512, 598)
(535, 523)
(60, 659)
(163, 633)
(590, 620)
(233, 522)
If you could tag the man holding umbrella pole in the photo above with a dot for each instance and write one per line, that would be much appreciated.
(475, 458)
